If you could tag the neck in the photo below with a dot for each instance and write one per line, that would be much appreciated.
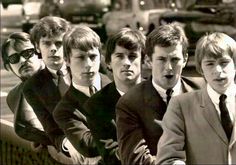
(125, 86)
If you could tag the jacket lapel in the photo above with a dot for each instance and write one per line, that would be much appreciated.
(49, 91)
(210, 113)
(233, 136)
(153, 99)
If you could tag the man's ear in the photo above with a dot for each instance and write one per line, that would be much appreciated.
(185, 60)
(67, 61)
(8, 67)
(109, 67)
(37, 48)
(148, 61)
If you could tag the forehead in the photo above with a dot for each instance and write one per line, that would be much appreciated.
(215, 57)
(175, 50)
(120, 49)
(52, 39)
(19, 47)
(77, 51)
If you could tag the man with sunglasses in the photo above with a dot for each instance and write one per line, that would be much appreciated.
(18, 55)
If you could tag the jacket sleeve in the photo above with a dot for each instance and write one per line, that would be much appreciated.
(26, 123)
(132, 145)
(104, 132)
(74, 124)
(55, 134)
(172, 142)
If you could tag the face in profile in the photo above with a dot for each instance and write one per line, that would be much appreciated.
(126, 65)
(219, 72)
(50, 50)
(84, 65)
(23, 62)
(167, 64)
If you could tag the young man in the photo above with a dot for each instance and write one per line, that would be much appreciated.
(82, 53)
(199, 127)
(19, 57)
(124, 54)
(44, 90)
(139, 112)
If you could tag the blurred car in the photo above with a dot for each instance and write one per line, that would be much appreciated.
(30, 13)
(200, 17)
(135, 14)
(77, 11)
(87, 12)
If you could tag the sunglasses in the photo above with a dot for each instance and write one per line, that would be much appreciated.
(15, 58)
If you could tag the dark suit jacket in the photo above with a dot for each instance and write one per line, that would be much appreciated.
(23, 127)
(138, 115)
(43, 95)
(70, 116)
(100, 109)
(193, 132)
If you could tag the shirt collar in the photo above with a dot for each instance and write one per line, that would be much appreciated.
(120, 92)
(54, 72)
(214, 96)
(85, 89)
(177, 89)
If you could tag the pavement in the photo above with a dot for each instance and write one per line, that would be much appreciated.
(7, 81)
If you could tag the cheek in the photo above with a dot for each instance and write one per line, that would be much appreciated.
(15, 69)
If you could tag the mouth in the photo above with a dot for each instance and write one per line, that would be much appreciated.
(127, 71)
(169, 76)
(54, 58)
(25, 68)
(220, 79)
(88, 73)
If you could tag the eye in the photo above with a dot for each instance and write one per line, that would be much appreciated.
(161, 59)
(175, 60)
(209, 64)
(119, 55)
(58, 44)
(14, 58)
(81, 57)
(132, 56)
(92, 57)
(47, 43)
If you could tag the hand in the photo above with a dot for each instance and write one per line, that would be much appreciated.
(37, 147)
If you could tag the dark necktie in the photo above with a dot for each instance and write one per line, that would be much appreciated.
(168, 95)
(225, 118)
(62, 86)
(92, 90)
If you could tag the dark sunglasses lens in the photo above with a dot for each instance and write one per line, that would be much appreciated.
(27, 53)
(13, 59)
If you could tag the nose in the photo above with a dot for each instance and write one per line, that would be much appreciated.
(219, 68)
(168, 65)
(127, 61)
(53, 49)
(88, 63)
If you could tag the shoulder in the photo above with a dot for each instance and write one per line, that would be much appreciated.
(102, 94)
(137, 91)
(34, 79)
(188, 97)
(105, 79)
(37, 80)
(15, 92)
(16, 89)
(194, 82)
